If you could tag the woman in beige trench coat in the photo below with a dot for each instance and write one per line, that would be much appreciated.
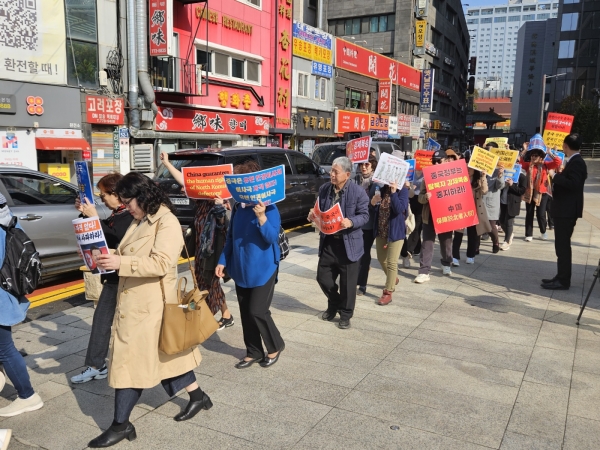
(148, 252)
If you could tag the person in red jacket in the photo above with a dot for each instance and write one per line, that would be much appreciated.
(538, 186)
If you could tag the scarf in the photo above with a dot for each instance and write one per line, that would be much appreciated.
(365, 182)
(111, 220)
(533, 185)
(383, 220)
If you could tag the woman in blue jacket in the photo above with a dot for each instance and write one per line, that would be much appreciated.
(251, 257)
(390, 230)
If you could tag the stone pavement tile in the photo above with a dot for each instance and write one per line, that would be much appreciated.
(50, 390)
(61, 318)
(376, 433)
(320, 326)
(582, 434)
(392, 308)
(557, 336)
(215, 359)
(588, 332)
(540, 411)
(516, 441)
(51, 330)
(47, 359)
(84, 324)
(478, 430)
(485, 357)
(387, 328)
(584, 400)
(55, 369)
(32, 342)
(587, 356)
(327, 441)
(455, 376)
(550, 366)
(287, 320)
(388, 317)
(523, 317)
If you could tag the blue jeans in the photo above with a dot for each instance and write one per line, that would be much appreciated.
(14, 364)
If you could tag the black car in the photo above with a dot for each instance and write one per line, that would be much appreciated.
(324, 154)
(303, 177)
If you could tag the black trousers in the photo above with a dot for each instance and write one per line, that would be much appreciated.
(549, 211)
(456, 243)
(411, 243)
(563, 230)
(540, 212)
(473, 241)
(334, 263)
(256, 318)
(101, 326)
(365, 260)
(126, 399)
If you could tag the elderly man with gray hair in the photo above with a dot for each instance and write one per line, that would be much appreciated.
(340, 253)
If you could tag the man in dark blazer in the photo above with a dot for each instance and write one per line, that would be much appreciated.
(567, 190)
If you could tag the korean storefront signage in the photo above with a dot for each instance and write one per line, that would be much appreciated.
(32, 41)
(8, 104)
(421, 8)
(393, 127)
(322, 70)
(312, 44)
(384, 99)
(415, 127)
(430, 48)
(378, 122)
(105, 110)
(420, 27)
(160, 26)
(350, 121)
(427, 90)
(315, 123)
(189, 120)
(234, 99)
(403, 124)
(283, 61)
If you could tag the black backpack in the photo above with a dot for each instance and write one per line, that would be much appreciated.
(22, 268)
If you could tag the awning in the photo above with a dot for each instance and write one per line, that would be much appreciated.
(150, 134)
(48, 143)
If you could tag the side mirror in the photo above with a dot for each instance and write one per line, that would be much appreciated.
(322, 171)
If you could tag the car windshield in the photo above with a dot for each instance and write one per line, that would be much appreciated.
(162, 172)
(325, 155)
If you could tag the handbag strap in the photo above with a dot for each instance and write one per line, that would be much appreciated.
(160, 279)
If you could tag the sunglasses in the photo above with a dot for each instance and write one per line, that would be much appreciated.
(126, 202)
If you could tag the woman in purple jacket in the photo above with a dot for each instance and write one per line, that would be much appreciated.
(390, 231)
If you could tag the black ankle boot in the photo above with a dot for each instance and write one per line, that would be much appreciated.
(194, 407)
(111, 437)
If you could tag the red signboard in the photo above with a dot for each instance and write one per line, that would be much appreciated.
(283, 61)
(423, 158)
(404, 124)
(105, 110)
(559, 122)
(451, 202)
(330, 221)
(202, 121)
(158, 12)
(357, 150)
(349, 121)
(384, 99)
(207, 182)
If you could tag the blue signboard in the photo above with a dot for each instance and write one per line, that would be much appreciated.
(561, 155)
(433, 145)
(322, 70)
(124, 133)
(266, 185)
(83, 182)
(427, 89)
(313, 35)
(513, 173)
(410, 176)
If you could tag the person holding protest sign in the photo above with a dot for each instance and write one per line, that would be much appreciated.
(511, 207)
(536, 195)
(211, 213)
(339, 253)
(412, 242)
(492, 204)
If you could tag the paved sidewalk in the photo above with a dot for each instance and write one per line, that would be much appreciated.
(482, 359)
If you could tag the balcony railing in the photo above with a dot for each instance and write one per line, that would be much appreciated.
(176, 76)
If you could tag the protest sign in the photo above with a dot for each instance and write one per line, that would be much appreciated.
(483, 161)
(558, 127)
(561, 155)
(410, 176)
(423, 158)
(513, 173)
(501, 141)
(91, 241)
(506, 158)
(206, 182)
(452, 203)
(84, 185)
(330, 221)
(391, 169)
(266, 185)
(433, 145)
(358, 149)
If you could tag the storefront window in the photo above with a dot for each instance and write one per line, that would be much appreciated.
(356, 99)
(237, 68)
(82, 43)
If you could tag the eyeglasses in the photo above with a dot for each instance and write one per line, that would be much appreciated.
(102, 196)
(126, 202)
(364, 164)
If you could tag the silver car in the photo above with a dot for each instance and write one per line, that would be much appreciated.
(45, 208)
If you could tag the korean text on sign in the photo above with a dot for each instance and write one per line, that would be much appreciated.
(423, 158)
(84, 185)
(266, 185)
(483, 161)
(513, 173)
(208, 182)
(410, 176)
(358, 149)
(506, 158)
(330, 221)
(452, 203)
(91, 241)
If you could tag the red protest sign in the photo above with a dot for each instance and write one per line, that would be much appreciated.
(207, 182)
(330, 221)
(452, 203)
(423, 158)
(559, 122)
(358, 149)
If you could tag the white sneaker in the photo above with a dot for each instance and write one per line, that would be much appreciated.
(422, 278)
(446, 270)
(455, 262)
(544, 236)
(505, 246)
(470, 261)
(529, 239)
(22, 405)
(5, 438)
(406, 262)
(90, 374)
(2, 382)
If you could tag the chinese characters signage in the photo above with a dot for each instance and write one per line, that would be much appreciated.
(349, 121)
(427, 90)
(104, 110)
(420, 26)
(530, 64)
(159, 16)
(558, 126)
(312, 44)
(283, 61)
(384, 100)
(315, 123)
(190, 120)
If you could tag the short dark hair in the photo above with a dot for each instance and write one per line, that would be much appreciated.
(145, 191)
(109, 182)
(573, 141)
(492, 144)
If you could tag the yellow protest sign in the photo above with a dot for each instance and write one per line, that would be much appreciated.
(483, 161)
(554, 139)
(507, 158)
(501, 141)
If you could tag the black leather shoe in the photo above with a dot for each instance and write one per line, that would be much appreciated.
(329, 316)
(344, 324)
(243, 364)
(555, 285)
(549, 280)
(194, 408)
(268, 362)
(110, 437)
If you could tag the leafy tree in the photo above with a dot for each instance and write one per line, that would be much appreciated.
(587, 117)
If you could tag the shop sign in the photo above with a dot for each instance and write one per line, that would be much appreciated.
(104, 110)
(226, 21)
(315, 123)
(18, 149)
(420, 27)
(235, 100)
(60, 171)
(427, 90)
(35, 105)
(322, 70)
(403, 124)
(350, 121)
(160, 26)
(449, 61)
(430, 48)
(196, 121)
(384, 98)
(421, 8)
(312, 44)
(415, 127)
(393, 127)
(58, 133)
(378, 123)
(8, 104)
(283, 58)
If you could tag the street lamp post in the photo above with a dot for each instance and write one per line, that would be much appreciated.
(544, 78)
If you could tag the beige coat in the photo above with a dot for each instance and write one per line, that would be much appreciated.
(483, 226)
(134, 358)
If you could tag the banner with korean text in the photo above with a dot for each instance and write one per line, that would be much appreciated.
(330, 221)
(452, 203)
(410, 176)
(501, 141)
(433, 144)
(358, 149)
(506, 158)
(84, 184)
(91, 241)
(483, 161)
(206, 182)
(266, 185)
(513, 173)
(427, 90)
(558, 127)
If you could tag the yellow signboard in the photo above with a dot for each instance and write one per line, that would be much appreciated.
(483, 161)
(507, 158)
(61, 171)
(554, 139)
(501, 141)
(312, 52)
(420, 28)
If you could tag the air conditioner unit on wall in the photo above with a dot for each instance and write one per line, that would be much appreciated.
(142, 158)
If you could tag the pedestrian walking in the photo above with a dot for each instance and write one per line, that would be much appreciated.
(114, 228)
(339, 253)
(567, 208)
(146, 261)
(412, 243)
(511, 198)
(491, 200)
(251, 257)
(479, 186)
(210, 225)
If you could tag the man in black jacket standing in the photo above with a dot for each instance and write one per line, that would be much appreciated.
(567, 189)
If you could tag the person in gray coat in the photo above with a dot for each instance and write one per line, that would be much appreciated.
(492, 204)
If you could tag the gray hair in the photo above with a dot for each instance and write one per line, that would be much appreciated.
(343, 162)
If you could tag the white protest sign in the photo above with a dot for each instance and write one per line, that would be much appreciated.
(391, 169)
